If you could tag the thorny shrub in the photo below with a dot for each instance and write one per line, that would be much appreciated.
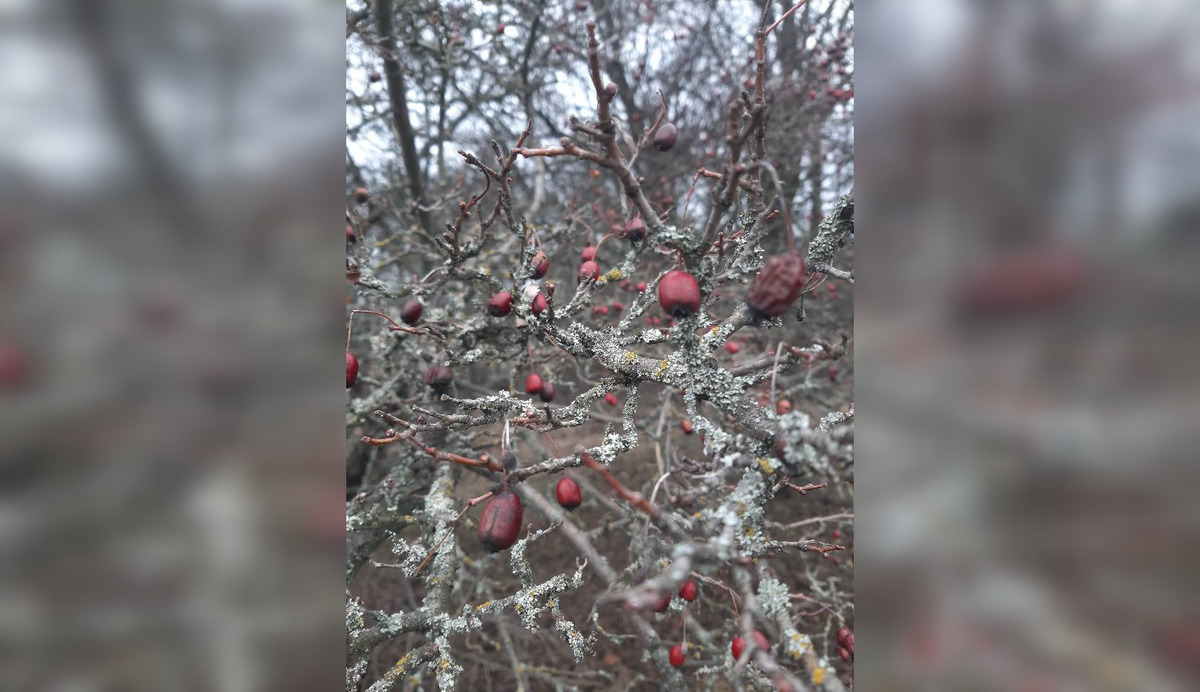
(724, 474)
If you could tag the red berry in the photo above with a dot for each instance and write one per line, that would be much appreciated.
(843, 635)
(500, 304)
(664, 139)
(689, 591)
(663, 604)
(739, 644)
(588, 270)
(541, 264)
(618, 306)
(687, 430)
(547, 392)
(351, 370)
(439, 377)
(374, 77)
(567, 493)
(350, 233)
(533, 384)
(539, 304)
(411, 313)
(844, 653)
(500, 28)
(676, 655)
(679, 294)
(635, 230)
(500, 521)
(831, 371)
(361, 195)
(837, 534)
(610, 399)
(777, 286)
(641, 286)
(602, 309)
(588, 254)
(783, 406)
(732, 347)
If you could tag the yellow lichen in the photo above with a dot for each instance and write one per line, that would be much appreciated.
(614, 275)
(662, 367)
(630, 356)
(818, 676)
(766, 465)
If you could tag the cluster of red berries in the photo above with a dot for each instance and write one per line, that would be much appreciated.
(845, 640)
(536, 386)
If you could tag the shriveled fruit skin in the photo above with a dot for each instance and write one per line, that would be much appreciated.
(664, 139)
(777, 286)
(439, 377)
(500, 522)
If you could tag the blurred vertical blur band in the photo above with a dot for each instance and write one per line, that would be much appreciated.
(1029, 287)
(171, 493)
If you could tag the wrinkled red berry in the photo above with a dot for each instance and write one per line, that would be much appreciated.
(541, 264)
(739, 644)
(500, 304)
(588, 270)
(411, 313)
(351, 370)
(777, 286)
(567, 493)
(361, 195)
(635, 230)
(689, 591)
(687, 427)
(500, 521)
(439, 377)
(676, 655)
(547, 393)
(533, 384)
(679, 294)
(664, 139)
(588, 254)
(539, 304)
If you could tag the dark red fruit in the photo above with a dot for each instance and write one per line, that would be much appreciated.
(351, 370)
(533, 384)
(679, 294)
(635, 230)
(361, 195)
(676, 655)
(837, 534)
(374, 77)
(411, 313)
(610, 399)
(500, 521)
(783, 406)
(350, 233)
(500, 304)
(732, 347)
(846, 639)
(15, 368)
(588, 270)
(541, 264)
(588, 254)
(739, 644)
(689, 591)
(547, 392)
(641, 286)
(500, 28)
(539, 304)
(663, 604)
(618, 306)
(664, 139)
(568, 495)
(777, 286)
(844, 653)
(687, 428)
(439, 377)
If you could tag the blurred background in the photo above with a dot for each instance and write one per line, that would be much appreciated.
(170, 444)
(1029, 207)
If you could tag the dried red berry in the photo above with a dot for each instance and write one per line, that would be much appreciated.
(676, 655)
(361, 195)
(533, 384)
(739, 644)
(539, 304)
(610, 399)
(689, 591)
(439, 377)
(547, 393)
(635, 230)
(588, 254)
(500, 521)
(351, 370)
(500, 304)
(541, 264)
(679, 294)
(777, 286)
(588, 270)
(568, 495)
(664, 139)
(732, 346)
(687, 427)
(411, 313)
